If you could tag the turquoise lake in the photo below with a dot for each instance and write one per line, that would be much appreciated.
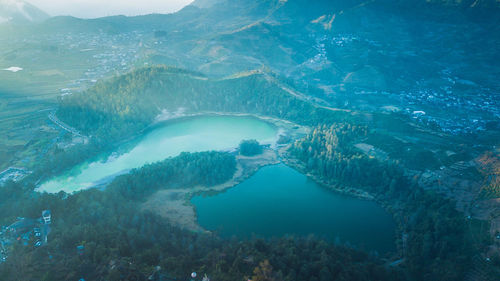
(194, 134)
(278, 200)
(275, 201)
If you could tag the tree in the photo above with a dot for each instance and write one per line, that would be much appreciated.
(263, 272)
(250, 148)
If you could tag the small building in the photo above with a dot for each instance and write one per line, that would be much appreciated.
(46, 216)
(80, 249)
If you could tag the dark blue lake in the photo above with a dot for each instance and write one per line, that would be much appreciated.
(278, 200)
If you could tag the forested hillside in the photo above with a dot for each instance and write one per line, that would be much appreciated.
(436, 240)
(120, 107)
(120, 242)
(388, 100)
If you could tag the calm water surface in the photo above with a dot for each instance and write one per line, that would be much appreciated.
(189, 135)
(278, 200)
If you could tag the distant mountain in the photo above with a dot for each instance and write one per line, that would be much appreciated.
(18, 11)
(205, 3)
(327, 48)
(467, 4)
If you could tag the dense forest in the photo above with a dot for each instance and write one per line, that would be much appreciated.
(118, 241)
(394, 101)
(123, 242)
(250, 148)
(329, 151)
(436, 241)
(126, 104)
(184, 171)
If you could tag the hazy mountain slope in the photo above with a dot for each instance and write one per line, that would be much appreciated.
(126, 104)
(337, 49)
(18, 11)
(355, 54)
(205, 3)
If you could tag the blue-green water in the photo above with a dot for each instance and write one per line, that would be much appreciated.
(278, 200)
(195, 134)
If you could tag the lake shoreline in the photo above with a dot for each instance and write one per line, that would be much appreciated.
(181, 115)
(280, 200)
(282, 151)
(274, 129)
(351, 191)
(180, 211)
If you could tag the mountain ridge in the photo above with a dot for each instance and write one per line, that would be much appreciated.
(19, 12)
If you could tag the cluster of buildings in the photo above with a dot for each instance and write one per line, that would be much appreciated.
(14, 174)
(468, 112)
(27, 231)
(108, 54)
(448, 102)
(455, 105)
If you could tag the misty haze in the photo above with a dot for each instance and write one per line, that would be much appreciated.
(250, 140)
